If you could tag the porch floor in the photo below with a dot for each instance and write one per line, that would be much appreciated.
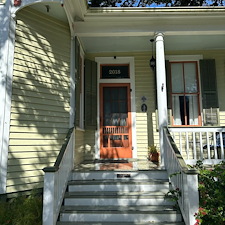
(118, 165)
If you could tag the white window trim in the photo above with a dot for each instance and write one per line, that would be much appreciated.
(131, 80)
(178, 58)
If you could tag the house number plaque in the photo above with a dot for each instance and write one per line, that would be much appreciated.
(118, 71)
(144, 107)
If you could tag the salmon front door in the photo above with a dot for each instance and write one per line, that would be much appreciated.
(115, 121)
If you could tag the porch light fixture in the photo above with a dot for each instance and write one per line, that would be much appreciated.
(47, 8)
(152, 61)
(17, 2)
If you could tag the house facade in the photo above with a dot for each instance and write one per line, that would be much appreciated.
(66, 65)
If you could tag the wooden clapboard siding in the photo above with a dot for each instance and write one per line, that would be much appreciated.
(79, 147)
(142, 135)
(89, 145)
(144, 86)
(40, 98)
(222, 118)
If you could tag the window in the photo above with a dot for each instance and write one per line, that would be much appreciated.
(185, 93)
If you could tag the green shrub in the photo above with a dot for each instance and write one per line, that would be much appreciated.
(23, 210)
(212, 195)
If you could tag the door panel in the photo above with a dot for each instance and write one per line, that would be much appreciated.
(115, 121)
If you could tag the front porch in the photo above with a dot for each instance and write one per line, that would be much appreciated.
(58, 178)
(117, 165)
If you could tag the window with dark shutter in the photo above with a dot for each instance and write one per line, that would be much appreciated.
(168, 83)
(90, 83)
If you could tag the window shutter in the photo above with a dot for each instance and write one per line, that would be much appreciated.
(168, 87)
(209, 92)
(77, 80)
(90, 82)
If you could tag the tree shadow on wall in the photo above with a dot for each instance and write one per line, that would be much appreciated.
(40, 98)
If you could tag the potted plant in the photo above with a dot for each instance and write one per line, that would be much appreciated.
(153, 153)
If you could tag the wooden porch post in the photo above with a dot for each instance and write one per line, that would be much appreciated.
(7, 40)
(161, 91)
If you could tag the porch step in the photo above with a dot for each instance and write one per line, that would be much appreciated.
(124, 197)
(120, 214)
(119, 185)
(134, 175)
(116, 198)
(124, 223)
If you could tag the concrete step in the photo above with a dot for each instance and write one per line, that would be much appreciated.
(116, 198)
(121, 185)
(116, 223)
(136, 175)
(120, 214)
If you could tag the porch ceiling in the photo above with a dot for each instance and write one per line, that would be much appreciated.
(142, 43)
(125, 30)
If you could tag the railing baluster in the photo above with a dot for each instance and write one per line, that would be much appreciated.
(201, 146)
(215, 145)
(187, 144)
(180, 141)
(221, 145)
(208, 145)
(194, 145)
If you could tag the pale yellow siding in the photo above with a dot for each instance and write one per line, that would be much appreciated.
(89, 145)
(40, 99)
(79, 147)
(142, 132)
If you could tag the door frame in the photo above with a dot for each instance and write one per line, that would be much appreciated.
(131, 80)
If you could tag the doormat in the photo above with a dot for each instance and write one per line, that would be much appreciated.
(111, 161)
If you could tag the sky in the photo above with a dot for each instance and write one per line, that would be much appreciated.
(159, 5)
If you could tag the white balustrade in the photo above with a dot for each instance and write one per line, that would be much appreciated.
(182, 179)
(200, 143)
(55, 181)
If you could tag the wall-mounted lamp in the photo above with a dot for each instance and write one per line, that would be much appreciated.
(152, 61)
(17, 2)
(47, 8)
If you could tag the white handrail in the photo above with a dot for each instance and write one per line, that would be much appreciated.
(200, 143)
(55, 181)
(182, 178)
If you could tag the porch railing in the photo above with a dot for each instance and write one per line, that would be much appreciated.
(182, 178)
(55, 180)
(200, 143)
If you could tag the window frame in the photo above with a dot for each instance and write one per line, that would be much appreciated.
(198, 93)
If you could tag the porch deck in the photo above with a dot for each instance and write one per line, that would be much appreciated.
(118, 165)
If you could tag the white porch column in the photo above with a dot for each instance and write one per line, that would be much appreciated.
(7, 38)
(161, 91)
